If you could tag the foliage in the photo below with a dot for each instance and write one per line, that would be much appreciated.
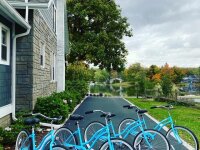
(76, 91)
(9, 136)
(152, 71)
(101, 75)
(96, 29)
(52, 106)
(78, 71)
(166, 85)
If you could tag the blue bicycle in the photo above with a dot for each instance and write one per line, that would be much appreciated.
(68, 138)
(179, 137)
(26, 141)
(143, 138)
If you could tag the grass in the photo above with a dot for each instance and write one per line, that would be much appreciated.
(1, 147)
(185, 116)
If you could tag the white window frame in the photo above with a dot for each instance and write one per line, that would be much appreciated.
(3, 27)
(42, 53)
(54, 15)
(53, 66)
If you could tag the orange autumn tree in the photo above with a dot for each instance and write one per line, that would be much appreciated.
(157, 78)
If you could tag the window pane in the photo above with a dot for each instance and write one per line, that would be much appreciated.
(41, 60)
(3, 52)
(3, 37)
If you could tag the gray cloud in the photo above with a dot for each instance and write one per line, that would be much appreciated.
(164, 31)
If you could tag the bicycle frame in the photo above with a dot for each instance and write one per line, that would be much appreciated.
(164, 122)
(49, 137)
(98, 135)
(132, 129)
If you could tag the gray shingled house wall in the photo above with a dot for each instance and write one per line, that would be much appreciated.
(32, 80)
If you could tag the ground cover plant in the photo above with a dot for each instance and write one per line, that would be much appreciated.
(182, 115)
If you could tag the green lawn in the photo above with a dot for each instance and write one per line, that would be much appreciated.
(184, 116)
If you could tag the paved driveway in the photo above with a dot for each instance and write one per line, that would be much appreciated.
(113, 105)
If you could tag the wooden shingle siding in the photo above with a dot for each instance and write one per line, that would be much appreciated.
(5, 74)
(5, 85)
(48, 16)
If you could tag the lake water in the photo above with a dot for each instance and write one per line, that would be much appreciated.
(197, 100)
(120, 91)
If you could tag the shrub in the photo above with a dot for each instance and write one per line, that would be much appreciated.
(52, 106)
(8, 137)
(79, 86)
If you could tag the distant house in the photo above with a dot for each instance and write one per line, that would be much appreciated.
(33, 39)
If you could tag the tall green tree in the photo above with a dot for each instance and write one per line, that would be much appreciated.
(96, 29)
(166, 85)
(79, 71)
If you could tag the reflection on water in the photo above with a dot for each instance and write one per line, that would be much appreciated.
(113, 90)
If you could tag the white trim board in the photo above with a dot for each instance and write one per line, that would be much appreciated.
(5, 110)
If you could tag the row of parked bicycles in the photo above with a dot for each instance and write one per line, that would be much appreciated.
(132, 134)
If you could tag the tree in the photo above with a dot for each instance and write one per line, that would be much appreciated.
(96, 29)
(166, 85)
(153, 70)
(78, 71)
(101, 75)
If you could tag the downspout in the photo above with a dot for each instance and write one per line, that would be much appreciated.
(14, 47)
(14, 71)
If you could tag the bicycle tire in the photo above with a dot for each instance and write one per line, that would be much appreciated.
(155, 138)
(22, 138)
(90, 130)
(59, 147)
(183, 133)
(64, 136)
(123, 124)
(118, 144)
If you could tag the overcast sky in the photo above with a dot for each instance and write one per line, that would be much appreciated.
(164, 31)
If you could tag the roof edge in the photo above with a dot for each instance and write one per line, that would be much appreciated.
(14, 15)
(31, 5)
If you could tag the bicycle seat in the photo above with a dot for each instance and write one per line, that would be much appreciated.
(31, 121)
(76, 117)
(142, 111)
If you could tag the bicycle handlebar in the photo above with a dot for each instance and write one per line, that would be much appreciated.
(104, 114)
(163, 106)
(39, 114)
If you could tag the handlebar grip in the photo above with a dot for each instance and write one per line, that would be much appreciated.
(126, 106)
(153, 107)
(89, 112)
(131, 107)
(103, 115)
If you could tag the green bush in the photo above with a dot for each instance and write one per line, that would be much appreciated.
(79, 86)
(8, 137)
(52, 106)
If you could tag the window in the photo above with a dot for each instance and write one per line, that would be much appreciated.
(4, 45)
(53, 56)
(42, 54)
(54, 18)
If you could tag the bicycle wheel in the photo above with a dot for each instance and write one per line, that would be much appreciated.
(123, 125)
(23, 141)
(117, 144)
(90, 130)
(150, 139)
(63, 136)
(59, 147)
(183, 138)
